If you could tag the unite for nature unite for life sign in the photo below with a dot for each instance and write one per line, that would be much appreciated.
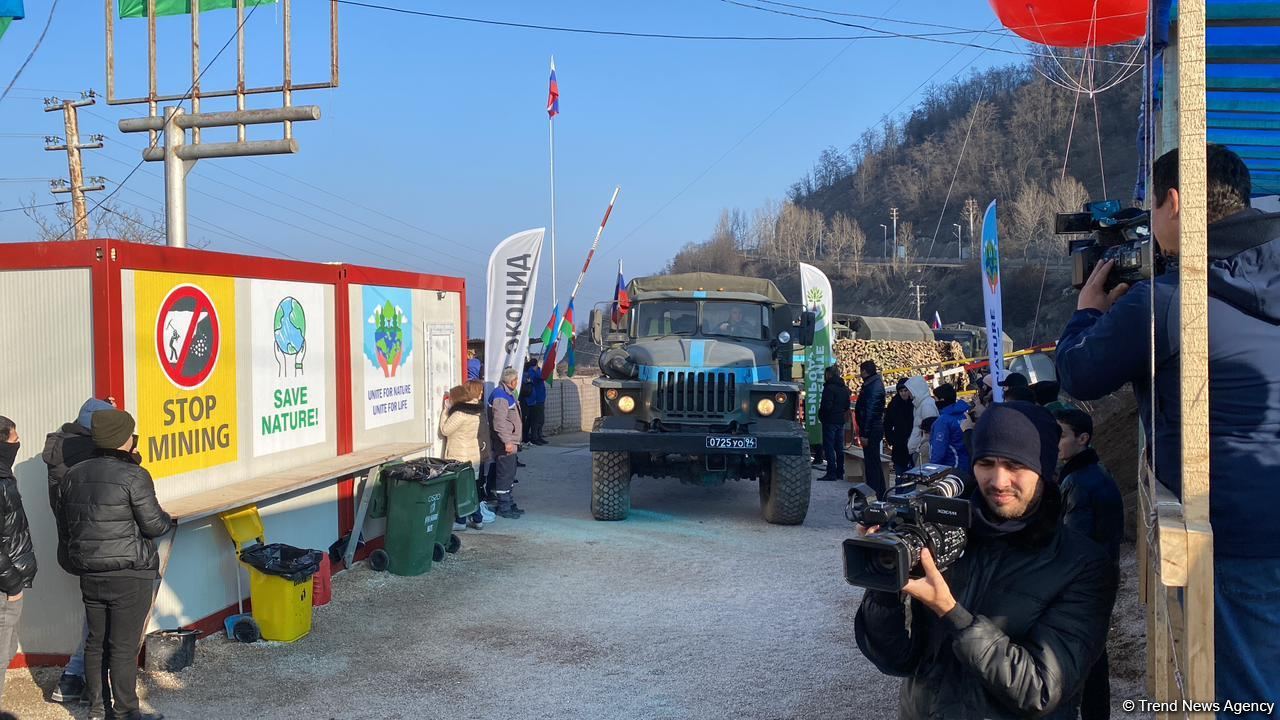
(388, 355)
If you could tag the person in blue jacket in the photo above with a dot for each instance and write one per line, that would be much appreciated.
(534, 398)
(946, 440)
(1092, 506)
(1106, 344)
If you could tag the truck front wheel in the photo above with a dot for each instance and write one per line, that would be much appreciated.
(611, 485)
(784, 489)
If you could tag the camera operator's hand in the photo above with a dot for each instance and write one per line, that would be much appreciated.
(1093, 296)
(931, 590)
(864, 530)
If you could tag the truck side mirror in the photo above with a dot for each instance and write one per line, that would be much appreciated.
(597, 327)
(805, 328)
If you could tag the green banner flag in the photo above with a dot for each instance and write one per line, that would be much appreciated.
(138, 8)
(4, 24)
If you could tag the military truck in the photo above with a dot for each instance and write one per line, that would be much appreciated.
(697, 385)
(973, 338)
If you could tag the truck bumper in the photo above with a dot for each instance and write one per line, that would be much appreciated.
(691, 443)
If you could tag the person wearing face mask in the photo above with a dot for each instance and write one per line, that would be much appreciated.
(111, 519)
(17, 556)
(1012, 628)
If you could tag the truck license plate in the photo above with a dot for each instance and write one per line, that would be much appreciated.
(731, 442)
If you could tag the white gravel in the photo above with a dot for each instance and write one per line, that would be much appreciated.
(692, 608)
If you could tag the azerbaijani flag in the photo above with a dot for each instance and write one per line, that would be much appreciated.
(569, 356)
(10, 10)
(553, 93)
(621, 300)
(566, 331)
(548, 333)
(138, 8)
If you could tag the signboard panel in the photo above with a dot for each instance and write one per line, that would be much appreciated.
(290, 325)
(388, 355)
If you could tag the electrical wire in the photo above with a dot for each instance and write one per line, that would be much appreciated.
(30, 56)
(32, 207)
(186, 96)
(880, 34)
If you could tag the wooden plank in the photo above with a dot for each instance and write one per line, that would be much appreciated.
(1198, 618)
(255, 490)
(1158, 645)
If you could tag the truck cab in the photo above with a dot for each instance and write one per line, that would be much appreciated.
(697, 385)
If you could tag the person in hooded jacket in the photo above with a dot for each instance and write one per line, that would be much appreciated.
(112, 519)
(63, 449)
(1107, 344)
(17, 555)
(832, 411)
(460, 428)
(924, 413)
(946, 440)
(1011, 629)
(898, 422)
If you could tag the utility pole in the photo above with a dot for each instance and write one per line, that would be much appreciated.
(893, 213)
(885, 228)
(918, 289)
(959, 246)
(75, 167)
(971, 211)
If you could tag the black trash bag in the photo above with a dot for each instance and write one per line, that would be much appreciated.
(286, 561)
(422, 469)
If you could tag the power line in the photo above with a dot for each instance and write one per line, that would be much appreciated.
(32, 207)
(614, 245)
(185, 96)
(880, 34)
(32, 54)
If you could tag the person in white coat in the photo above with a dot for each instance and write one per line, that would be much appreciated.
(926, 411)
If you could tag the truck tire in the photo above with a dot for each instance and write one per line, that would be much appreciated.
(784, 490)
(610, 485)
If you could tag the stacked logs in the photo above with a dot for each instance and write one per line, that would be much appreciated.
(924, 357)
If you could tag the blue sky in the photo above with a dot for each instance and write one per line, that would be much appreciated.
(434, 148)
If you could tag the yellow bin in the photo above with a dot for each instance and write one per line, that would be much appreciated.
(280, 607)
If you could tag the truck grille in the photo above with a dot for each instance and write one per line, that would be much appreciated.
(696, 394)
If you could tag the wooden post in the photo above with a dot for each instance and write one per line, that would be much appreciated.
(1197, 615)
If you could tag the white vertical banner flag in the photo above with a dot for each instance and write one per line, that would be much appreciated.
(992, 310)
(815, 288)
(513, 277)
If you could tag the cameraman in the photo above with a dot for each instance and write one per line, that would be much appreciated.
(1106, 345)
(1013, 627)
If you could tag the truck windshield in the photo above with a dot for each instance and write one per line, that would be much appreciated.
(735, 319)
(666, 317)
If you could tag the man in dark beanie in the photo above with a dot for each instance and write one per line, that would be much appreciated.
(110, 518)
(897, 427)
(1013, 627)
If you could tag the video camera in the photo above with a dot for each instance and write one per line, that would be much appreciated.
(1123, 235)
(924, 510)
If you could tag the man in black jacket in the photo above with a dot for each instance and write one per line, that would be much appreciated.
(17, 557)
(1013, 627)
(111, 517)
(1091, 505)
(869, 414)
(64, 448)
(832, 411)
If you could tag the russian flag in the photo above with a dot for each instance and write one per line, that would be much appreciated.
(621, 300)
(553, 93)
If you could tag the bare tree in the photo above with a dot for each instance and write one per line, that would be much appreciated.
(108, 220)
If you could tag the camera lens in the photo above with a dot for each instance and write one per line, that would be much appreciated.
(884, 562)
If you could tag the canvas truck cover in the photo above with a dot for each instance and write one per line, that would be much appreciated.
(709, 282)
(890, 328)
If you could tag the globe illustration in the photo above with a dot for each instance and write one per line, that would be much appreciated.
(290, 327)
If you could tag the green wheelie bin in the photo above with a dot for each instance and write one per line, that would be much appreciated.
(417, 507)
(462, 501)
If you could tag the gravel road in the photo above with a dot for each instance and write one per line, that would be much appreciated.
(692, 608)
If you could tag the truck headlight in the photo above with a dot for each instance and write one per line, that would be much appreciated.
(784, 337)
(765, 407)
(626, 403)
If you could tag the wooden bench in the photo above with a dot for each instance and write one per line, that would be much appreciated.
(209, 503)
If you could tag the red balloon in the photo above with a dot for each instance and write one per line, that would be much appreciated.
(1071, 23)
